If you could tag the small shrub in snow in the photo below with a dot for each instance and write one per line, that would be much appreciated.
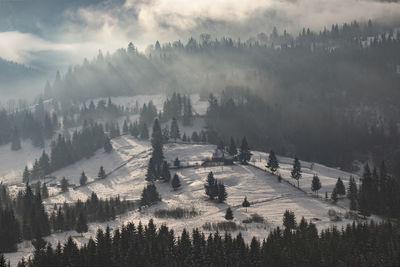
(223, 226)
(176, 213)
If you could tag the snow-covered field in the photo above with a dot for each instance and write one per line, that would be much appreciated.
(269, 197)
(127, 164)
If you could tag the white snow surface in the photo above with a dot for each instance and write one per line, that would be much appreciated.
(268, 197)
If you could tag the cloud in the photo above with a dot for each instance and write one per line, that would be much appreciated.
(109, 25)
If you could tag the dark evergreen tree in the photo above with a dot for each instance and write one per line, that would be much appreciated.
(15, 142)
(81, 224)
(175, 183)
(44, 165)
(177, 162)
(144, 132)
(245, 203)
(244, 154)
(149, 195)
(157, 145)
(315, 184)
(334, 195)
(44, 191)
(273, 163)
(364, 195)
(107, 145)
(125, 128)
(232, 147)
(174, 132)
(165, 173)
(296, 171)
(229, 214)
(102, 173)
(151, 171)
(211, 186)
(340, 189)
(83, 179)
(289, 220)
(352, 193)
(64, 185)
(221, 191)
(26, 175)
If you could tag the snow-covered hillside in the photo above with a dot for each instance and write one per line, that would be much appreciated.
(269, 198)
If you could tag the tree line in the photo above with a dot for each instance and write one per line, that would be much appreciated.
(357, 244)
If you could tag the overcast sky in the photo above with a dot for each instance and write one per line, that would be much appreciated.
(81, 32)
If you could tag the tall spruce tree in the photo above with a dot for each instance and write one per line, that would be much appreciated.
(83, 179)
(229, 214)
(157, 144)
(245, 203)
(81, 223)
(232, 147)
(221, 192)
(144, 131)
(244, 154)
(211, 186)
(64, 185)
(364, 195)
(334, 195)
(273, 163)
(102, 173)
(165, 173)
(296, 171)
(107, 145)
(15, 141)
(175, 183)
(174, 132)
(289, 220)
(315, 184)
(340, 188)
(352, 193)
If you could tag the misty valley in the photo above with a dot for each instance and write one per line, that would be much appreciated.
(155, 133)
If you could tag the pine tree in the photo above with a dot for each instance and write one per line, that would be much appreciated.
(175, 182)
(125, 128)
(26, 175)
(165, 134)
(15, 142)
(289, 220)
(364, 195)
(144, 132)
(44, 191)
(64, 185)
(232, 147)
(211, 186)
(165, 173)
(244, 154)
(83, 179)
(157, 144)
(177, 162)
(221, 192)
(229, 214)
(334, 195)
(149, 195)
(107, 145)
(102, 173)
(81, 224)
(273, 163)
(44, 164)
(151, 171)
(174, 132)
(315, 184)
(340, 189)
(296, 171)
(245, 203)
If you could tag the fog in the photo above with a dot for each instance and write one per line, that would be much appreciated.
(80, 31)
